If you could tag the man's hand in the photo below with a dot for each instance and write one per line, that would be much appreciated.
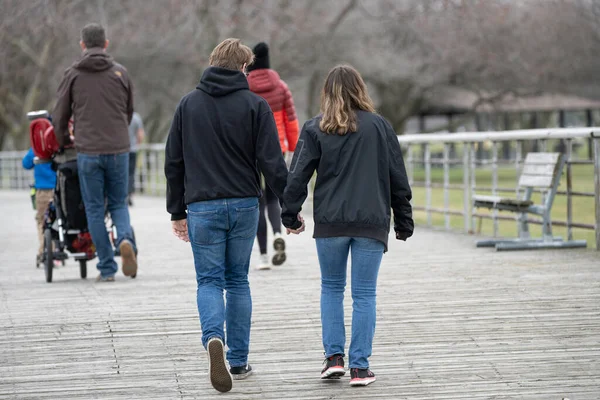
(180, 229)
(402, 236)
(299, 230)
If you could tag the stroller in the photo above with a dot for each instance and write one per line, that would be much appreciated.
(66, 231)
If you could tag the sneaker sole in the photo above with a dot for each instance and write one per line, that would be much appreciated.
(362, 381)
(239, 377)
(279, 245)
(333, 373)
(263, 268)
(129, 259)
(219, 375)
(101, 280)
(279, 259)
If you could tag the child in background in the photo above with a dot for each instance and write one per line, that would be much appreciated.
(45, 182)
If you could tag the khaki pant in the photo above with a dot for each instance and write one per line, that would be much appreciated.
(42, 198)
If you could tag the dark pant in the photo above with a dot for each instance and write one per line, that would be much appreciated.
(132, 163)
(270, 202)
(105, 177)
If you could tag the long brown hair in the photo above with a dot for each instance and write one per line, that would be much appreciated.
(344, 92)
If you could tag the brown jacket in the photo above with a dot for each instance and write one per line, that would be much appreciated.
(97, 93)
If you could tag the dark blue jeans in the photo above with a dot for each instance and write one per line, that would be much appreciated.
(105, 177)
(333, 258)
(222, 235)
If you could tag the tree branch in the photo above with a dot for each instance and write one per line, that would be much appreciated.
(26, 49)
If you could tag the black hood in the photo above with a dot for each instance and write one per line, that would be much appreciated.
(218, 81)
(94, 60)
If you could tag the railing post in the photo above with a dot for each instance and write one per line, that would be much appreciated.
(428, 182)
(151, 172)
(495, 184)
(518, 162)
(597, 185)
(144, 170)
(473, 166)
(446, 166)
(466, 187)
(410, 168)
(569, 172)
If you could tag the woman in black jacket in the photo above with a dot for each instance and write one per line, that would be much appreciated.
(360, 177)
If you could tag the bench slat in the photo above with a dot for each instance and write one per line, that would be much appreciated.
(539, 169)
(536, 181)
(478, 198)
(542, 158)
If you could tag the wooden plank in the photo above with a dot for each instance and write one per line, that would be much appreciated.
(452, 324)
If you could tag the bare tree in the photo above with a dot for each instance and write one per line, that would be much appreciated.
(406, 49)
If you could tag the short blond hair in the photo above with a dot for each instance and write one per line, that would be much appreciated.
(231, 54)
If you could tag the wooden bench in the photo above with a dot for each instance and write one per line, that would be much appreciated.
(540, 171)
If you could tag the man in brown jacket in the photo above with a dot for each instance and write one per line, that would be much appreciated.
(97, 93)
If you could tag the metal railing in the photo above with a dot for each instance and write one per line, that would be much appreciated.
(470, 164)
(12, 173)
(150, 179)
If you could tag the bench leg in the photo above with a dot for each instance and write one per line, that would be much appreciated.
(523, 226)
(541, 244)
(497, 242)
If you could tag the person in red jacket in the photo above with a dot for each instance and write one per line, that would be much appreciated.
(266, 83)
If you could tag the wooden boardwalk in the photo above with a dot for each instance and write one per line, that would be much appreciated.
(454, 322)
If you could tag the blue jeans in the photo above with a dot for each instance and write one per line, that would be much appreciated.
(366, 258)
(222, 235)
(105, 177)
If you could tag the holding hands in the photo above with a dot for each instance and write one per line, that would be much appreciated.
(297, 230)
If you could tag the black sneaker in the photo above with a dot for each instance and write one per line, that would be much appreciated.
(334, 367)
(239, 373)
(219, 375)
(361, 377)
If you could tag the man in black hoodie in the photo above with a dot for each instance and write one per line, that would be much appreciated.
(220, 133)
(97, 93)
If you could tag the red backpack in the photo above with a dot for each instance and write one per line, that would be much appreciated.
(43, 140)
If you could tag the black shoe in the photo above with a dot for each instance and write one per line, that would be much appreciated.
(219, 375)
(239, 373)
(334, 367)
(361, 377)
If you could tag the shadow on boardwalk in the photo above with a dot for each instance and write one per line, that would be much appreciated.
(454, 322)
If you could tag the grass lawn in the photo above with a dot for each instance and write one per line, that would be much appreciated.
(583, 207)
